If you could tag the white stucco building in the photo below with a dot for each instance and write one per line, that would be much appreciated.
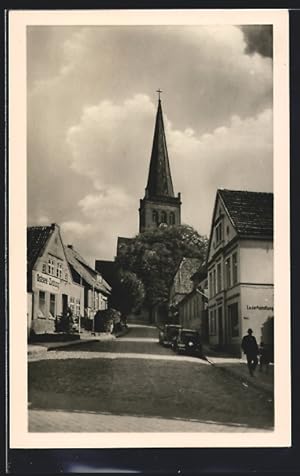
(50, 287)
(240, 269)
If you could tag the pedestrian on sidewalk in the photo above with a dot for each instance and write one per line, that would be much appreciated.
(250, 348)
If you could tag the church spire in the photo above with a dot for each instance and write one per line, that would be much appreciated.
(159, 204)
(159, 179)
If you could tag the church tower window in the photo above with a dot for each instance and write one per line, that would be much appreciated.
(163, 217)
(172, 218)
(155, 217)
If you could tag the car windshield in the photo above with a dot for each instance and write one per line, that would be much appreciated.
(190, 336)
(171, 331)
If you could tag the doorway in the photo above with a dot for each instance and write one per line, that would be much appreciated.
(64, 304)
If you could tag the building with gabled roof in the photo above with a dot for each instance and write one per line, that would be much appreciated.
(50, 287)
(96, 289)
(182, 282)
(240, 268)
(192, 309)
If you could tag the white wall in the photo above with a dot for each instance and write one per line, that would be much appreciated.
(256, 262)
(257, 305)
(228, 230)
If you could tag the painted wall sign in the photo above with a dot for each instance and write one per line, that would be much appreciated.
(260, 308)
(45, 282)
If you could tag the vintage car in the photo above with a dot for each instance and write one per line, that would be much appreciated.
(188, 341)
(168, 334)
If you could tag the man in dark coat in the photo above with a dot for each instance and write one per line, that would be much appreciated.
(250, 348)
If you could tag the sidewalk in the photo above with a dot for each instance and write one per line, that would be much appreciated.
(84, 338)
(238, 369)
(95, 422)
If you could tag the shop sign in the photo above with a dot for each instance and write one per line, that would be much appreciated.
(46, 282)
(259, 308)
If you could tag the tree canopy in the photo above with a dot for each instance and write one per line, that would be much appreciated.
(128, 293)
(154, 257)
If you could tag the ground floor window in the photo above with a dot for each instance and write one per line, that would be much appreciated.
(42, 304)
(72, 305)
(233, 318)
(52, 312)
(212, 323)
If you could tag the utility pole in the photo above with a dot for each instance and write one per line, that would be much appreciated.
(81, 301)
(93, 309)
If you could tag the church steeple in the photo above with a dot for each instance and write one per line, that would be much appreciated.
(159, 178)
(159, 204)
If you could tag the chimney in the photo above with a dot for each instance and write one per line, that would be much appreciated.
(70, 246)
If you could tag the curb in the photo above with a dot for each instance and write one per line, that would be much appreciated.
(68, 344)
(36, 350)
(251, 382)
(59, 345)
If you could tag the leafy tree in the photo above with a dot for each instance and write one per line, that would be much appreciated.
(106, 319)
(128, 292)
(154, 257)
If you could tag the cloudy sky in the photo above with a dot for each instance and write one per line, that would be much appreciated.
(91, 110)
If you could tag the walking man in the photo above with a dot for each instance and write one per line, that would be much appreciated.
(250, 348)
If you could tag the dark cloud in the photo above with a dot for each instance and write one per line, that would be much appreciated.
(259, 39)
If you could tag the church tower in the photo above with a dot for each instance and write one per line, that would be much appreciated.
(159, 204)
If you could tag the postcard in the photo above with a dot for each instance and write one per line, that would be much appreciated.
(149, 260)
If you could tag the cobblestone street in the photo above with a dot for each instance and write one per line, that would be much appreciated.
(134, 384)
(61, 421)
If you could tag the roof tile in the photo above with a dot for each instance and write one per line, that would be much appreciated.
(37, 237)
(250, 212)
(85, 271)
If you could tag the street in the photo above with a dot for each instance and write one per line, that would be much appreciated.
(133, 384)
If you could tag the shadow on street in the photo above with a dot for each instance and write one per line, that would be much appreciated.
(148, 388)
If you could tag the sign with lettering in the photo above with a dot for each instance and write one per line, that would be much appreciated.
(45, 282)
(259, 308)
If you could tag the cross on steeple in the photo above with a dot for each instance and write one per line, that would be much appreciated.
(159, 91)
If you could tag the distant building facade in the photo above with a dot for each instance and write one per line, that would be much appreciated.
(96, 289)
(182, 283)
(192, 309)
(50, 287)
(240, 269)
